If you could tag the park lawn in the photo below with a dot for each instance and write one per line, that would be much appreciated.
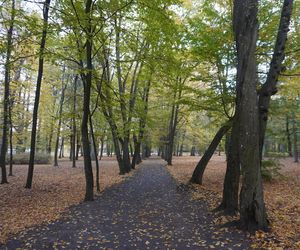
(54, 190)
(282, 197)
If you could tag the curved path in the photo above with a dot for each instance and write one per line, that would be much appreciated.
(147, 211)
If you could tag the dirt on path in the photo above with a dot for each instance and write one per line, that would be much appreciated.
(147, 211)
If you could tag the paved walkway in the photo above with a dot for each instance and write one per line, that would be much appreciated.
(145, 212)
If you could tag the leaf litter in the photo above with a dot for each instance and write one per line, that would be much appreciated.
(282, 198)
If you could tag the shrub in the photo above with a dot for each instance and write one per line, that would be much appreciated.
(23, 158)
(270, 169)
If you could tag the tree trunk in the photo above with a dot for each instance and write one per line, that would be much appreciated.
(201, 166)
(173, 123)
(37, 95)
(163, 152)
(148, 150)
(87, 82)
(131, 149)
(126, 156)
(74, 129)
(177, 148)
(63, 89)
(78, 146)
(288, 136)
(181, 145)
(93, 156)
(230, 200)
(170, 140)
(181, 150)
(269, 88)
(295, 141)
(6, 96)
(71, 147)
(49, 147)
(10, 141)
(137, 159)
(252, 208)
(108, 113)
(107, 149)
(38, 136)
(193, 151)
(96, 155)
(137, 149)
(101, 149)
(61, 151)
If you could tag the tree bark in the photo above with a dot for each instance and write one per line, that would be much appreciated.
(131, 149)
(49, 147)
(121, 84)
(126, 154)
(252, 208)
(288, 136)
(74, 129)
(96, 155)
(107, 148)
(61, 151)
(137, 159)
(173, 123)
(4, 142)
(78, 146)
(87, 83)
(193, 151)
(137, 153)
(230, 200)
(101, 149)
(181, 145)
(108, 113)
(10, 140)
(201, 166)
(269, 88)
(295, 141)
(37, 95)
(63, 89)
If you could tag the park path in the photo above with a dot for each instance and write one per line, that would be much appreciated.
(147, 211)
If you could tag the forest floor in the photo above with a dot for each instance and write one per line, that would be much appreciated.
(282, 197)
(147, 211)
(54, 190)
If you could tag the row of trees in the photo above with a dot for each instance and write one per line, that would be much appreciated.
(129, 76)
(104, 59)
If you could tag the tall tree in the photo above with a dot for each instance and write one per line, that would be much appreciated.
(252, 207)
(87, 83)
(6, 94)
(37, 93)
(269, 88)
(74, 130)
(62, 98)
(231, 182)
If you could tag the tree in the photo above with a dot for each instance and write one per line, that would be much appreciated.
(87, 82)
(252, 207)
(63, 89)
(200, 168)
(269, 88)
(37, 94)
(231, 182)
(6, 99)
